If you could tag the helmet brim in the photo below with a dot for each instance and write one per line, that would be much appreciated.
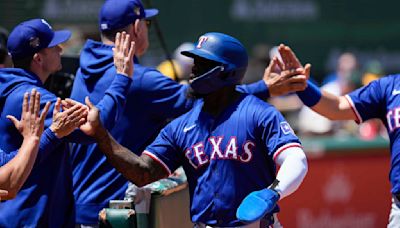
(203, 54)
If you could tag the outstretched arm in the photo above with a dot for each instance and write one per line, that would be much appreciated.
(139, 170)
(331, 106)
(276, 82)
(14, 173)
(111, 105)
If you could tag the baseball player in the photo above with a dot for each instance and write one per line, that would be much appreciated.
(229, 145)
(46, 199)
(152, 100)
(379, 99)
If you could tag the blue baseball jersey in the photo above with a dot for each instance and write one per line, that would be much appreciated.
(381, 99)
(225, 157)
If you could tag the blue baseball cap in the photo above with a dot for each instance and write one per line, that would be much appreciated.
(115, 14)
(220, 48)
(31, 36)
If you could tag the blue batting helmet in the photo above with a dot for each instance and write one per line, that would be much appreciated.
(224, 49)
(220, 48)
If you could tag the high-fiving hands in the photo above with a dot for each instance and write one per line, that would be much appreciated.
(286, 76)
(92, 118)
(65, 122)
(123, 52)
(290, 62)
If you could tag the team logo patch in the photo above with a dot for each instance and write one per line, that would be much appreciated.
(136, 10)
(201, 41)
(104, 26)
(34, 42)
(286, 129)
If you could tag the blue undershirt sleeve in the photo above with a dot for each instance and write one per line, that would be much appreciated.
(6, 157)
(112, 104)
(48, 143)
(111, 108)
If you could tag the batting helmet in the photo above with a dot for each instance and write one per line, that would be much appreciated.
(223, 49)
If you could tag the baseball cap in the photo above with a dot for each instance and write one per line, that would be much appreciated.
(221, 48)
(31, 36)
(115, 14)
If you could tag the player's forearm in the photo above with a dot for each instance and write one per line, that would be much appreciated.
(293, 169)
(14, 174)
(131, 166)
(334, 107)
(326, 104)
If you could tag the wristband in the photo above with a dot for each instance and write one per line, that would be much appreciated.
(311, 95)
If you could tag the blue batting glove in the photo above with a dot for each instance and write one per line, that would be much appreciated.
(256, 205)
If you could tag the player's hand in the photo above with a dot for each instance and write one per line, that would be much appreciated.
(280, 81)
(31, 124)
(124, 51)
(66, 121)
(289, 59)
(256, 205)
(291, 62)
(93, 122)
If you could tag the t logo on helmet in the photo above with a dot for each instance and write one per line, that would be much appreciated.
(202, 40)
